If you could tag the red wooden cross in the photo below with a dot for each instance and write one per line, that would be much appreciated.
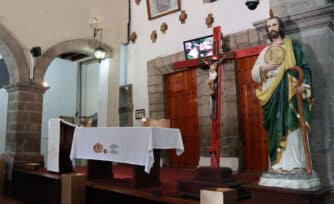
(217, 56)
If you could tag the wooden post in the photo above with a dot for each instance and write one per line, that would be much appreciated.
(214, 149)
(302, 120)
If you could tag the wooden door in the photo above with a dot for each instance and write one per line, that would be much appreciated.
(181, 90)
(254, 137)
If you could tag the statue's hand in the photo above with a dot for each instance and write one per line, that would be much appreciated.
(268, 67)
(301, 88)
(304, 90)
(265, 69)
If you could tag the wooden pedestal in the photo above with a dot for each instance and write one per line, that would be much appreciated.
(35, 187)
(40, 188)
(73, 188)
(2, 175)
(274, 195)
(208, 177)
(103, 170)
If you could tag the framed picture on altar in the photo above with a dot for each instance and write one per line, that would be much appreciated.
(158, 8)
(140, 113)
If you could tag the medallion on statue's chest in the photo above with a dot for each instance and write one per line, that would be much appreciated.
(274, 55)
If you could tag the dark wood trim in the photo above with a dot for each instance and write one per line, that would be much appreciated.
(36, 187)
(65, 144)
(275, 195)
(97, 190)
(103, 170)
(194, 63)
(247, 52)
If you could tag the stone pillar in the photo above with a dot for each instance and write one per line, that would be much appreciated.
(23, 125)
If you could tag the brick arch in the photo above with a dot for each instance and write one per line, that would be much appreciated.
(85, 46)
(14, 57)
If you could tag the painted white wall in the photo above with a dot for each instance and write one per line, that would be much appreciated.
(232, 15)
(89, 88)
(103, 93)
(60, 98)
(3, 118)
(46, 22)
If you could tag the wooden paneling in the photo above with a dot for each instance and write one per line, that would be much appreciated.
(274, 195)
(181, 90)
(254, 137)
(36, 187)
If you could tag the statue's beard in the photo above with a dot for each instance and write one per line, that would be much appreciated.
(274, 34)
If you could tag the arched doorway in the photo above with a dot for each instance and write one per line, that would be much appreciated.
(14, 71)
(15, 124)
(4, 80)
(60, 66)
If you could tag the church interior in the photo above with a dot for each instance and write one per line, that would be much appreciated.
(156, 101)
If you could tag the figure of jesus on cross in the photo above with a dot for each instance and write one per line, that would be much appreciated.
(215, 98)
(214, 63)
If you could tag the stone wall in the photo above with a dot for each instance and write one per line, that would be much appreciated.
(230, 137)
(24, 118)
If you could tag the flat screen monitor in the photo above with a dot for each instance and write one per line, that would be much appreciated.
(199, 47)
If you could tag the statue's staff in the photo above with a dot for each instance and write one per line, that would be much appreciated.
(302, 119)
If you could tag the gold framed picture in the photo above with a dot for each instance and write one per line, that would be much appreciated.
(158, 8)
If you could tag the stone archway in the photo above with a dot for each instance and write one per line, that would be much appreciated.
(25, 97)
(85, 46)
(13, 55)
(82, 46)
(18, 70)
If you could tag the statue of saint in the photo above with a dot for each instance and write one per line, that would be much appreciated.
(277, 96)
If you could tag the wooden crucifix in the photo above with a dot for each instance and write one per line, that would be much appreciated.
(214, 62)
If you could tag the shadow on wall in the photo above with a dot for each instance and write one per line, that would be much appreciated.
(320, 138)
(3, 119)
(4, 75)
(4, 80)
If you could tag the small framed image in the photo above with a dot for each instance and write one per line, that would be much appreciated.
(158, 8)
(140, 113)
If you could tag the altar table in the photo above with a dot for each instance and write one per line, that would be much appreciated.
(138, 146)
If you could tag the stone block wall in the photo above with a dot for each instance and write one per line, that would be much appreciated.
(24, 119)
(230, 137)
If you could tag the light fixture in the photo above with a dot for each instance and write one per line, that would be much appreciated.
(252, 4)
(99, 52)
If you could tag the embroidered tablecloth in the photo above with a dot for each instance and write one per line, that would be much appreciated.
(131, 145)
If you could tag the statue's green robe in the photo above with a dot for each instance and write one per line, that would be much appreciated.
(280, 109)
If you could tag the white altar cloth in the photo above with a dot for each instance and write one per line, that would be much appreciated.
(131, 145)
